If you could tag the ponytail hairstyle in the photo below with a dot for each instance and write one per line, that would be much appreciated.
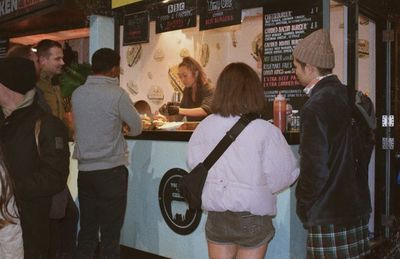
(6, 194)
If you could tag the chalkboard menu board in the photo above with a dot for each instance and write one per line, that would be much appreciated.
(175, 15)
(283, 28)
(136, 28)
(219, 13)
(3, 47)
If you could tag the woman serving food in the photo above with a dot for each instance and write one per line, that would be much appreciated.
(197, 94)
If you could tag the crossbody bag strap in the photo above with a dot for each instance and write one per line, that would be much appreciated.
(229, 137)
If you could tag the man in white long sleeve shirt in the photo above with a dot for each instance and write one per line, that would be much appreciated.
(100, 107)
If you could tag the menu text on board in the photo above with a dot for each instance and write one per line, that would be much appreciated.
(282, 30)
(175, 16)
(219, 13)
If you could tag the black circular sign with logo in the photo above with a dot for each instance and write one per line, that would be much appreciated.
(174, 209)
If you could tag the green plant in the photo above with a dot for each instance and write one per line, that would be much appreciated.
(73, 76)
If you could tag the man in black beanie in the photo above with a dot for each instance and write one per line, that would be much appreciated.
(35, 145)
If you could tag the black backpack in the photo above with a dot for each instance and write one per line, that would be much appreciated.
(365, 120)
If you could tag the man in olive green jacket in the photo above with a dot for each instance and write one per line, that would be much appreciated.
(51, 62)
(63, 226)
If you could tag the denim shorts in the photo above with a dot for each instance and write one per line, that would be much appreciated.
(239, 228)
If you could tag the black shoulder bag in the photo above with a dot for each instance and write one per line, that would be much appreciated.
(59, 201)
(191, 185)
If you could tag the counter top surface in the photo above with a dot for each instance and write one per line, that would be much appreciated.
(184, 135)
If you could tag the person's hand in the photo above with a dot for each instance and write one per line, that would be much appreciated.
(173, 109)
(163, 109)
(125, 129)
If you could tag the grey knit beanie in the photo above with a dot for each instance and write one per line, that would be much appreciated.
(316, 49)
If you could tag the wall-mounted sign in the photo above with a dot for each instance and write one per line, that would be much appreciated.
(3, 47)
(219, 13)
(363, 48)
(13, 8)
(175, 15)
(174, 209)
(282, 29)
(136, 28)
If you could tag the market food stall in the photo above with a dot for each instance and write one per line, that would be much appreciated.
(152, 45)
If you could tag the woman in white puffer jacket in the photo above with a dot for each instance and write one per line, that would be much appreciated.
(11, 244)
(240, 193)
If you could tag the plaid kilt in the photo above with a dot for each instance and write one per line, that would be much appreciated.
(337, 242)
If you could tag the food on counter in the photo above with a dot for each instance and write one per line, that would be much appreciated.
(159, 120)
(171, 125)
(146, 121)
(133, 54)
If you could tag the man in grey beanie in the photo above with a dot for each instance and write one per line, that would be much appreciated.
(333, 200)
(38, 160)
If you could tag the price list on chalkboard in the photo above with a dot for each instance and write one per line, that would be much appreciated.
(175, 15)
(283, 28)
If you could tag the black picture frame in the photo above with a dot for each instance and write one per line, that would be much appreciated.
(136, 28)
(175, 15)
(216, 14)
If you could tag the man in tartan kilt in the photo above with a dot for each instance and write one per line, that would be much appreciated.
(333, 200)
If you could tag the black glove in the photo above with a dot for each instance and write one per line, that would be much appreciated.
(173, 109)
(163, 109)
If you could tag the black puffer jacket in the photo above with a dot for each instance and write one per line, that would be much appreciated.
(36, 178)
(330, 190)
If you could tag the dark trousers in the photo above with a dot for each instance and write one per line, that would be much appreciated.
(63, 233)
(44, 237)
(102, 202)
(35, 224)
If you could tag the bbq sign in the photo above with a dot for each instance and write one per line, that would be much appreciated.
(174, 209)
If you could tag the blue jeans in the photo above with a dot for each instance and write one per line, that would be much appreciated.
(102, 202)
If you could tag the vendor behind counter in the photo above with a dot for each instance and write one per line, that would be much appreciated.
(197, 94)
